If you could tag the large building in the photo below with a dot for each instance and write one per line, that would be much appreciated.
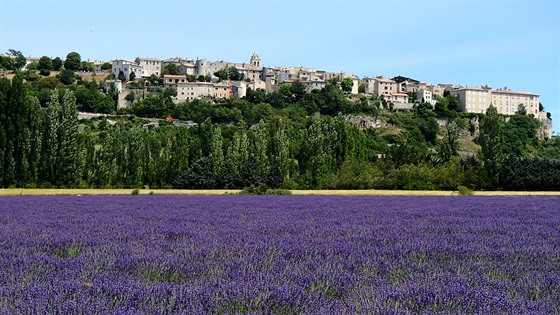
(425, 96)
(149, 66)
(474, 100)
(188, 91)
(507, 102)
(127, 67)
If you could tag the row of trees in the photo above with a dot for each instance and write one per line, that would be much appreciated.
(286, 139)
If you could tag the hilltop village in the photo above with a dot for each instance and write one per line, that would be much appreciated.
(214, 80)
(181, 123)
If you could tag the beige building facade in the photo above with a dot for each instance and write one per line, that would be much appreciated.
(126, 66)
(149, 66)
(507, 102)
(474, 100)
(188, 91)
(510, 102)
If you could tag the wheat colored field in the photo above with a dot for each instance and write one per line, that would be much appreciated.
(48, 192)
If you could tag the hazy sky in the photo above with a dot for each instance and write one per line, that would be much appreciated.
(471, 43)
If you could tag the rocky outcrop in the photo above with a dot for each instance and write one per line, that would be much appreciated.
(366, 121)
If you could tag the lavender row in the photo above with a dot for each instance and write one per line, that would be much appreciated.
(279, 255)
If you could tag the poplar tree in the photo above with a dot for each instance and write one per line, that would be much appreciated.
(216, 150)
(50, 144)
(67, 137)
(260, 153)
(35, 127)
(491, 140)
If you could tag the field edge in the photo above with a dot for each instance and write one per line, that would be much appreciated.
(56, 192)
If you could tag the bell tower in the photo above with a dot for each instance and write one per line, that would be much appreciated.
(255, 60)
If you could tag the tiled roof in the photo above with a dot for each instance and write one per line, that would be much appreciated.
(513, 92)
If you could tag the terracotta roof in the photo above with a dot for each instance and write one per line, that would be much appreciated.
(470, 89)
(513, 92)
(148, 58)
(384, 80)
(172, 76)
(128, 61)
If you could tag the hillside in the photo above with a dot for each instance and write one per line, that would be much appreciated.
(288, 139)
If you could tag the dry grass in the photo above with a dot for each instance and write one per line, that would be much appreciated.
(53, 192)
(420, 193)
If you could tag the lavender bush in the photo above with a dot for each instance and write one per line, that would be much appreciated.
(279, 255)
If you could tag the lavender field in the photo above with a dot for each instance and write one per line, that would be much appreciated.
(279, 255)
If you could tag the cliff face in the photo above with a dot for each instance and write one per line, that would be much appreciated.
(546, 126)
(470, 127)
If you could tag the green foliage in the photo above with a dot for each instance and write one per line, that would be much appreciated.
(172, 69)
(234, 74)
(222, 74)
(464, 191)
(357, 174)
(73, 61)
(525, 173)
(520, 135)
(32, 66)
(275, 141)
(106, 66)
(57, 64)
(263, 189)
(86, 66)
(90, 99)
(449, 146)
(121, 77)
(346, 85)
(491, 139)
(45, 65)
(66, 76)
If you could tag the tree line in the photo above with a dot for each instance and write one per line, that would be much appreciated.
(289, 139)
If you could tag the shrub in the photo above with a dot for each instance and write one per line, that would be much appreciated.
(278, 192)
(135, 192)
(464, 191)
(263, 190)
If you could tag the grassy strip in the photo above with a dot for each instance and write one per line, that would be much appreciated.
(420, 193)
(53, 192)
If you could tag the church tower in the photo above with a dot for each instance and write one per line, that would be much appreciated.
(255, 60)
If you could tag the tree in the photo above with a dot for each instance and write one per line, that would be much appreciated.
(222, 74)
(66, 76)
(19, 62)
(132, 76)
(346, 85)
(32, 66)
(171, 69)
(262, 162)
(121, 76)
(491, 140)
(10, 63)
(6, 63)
(298, 90)
(106, 66)
(57, 64)
(86, 66)
(235, 75)
(45, 65)
(73, 61)
(362, 88)
(450, 145)
(216, 157)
